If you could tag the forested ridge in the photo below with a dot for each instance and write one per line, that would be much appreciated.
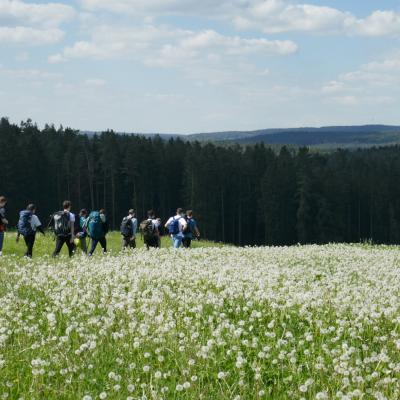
(243, 195)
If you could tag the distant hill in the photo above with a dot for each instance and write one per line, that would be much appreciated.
(337, 136)
(324, 137)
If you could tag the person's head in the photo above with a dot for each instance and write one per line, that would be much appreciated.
(3, 201)
(179, 211)
(151, 214)
(189, 213)
(103, 211)
(131, 212)
(31, 208)
(83, 212)
(67, 205)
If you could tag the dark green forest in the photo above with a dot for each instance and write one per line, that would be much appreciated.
(249, 195)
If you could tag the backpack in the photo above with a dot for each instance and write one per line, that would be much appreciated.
(2, 216)
(126, 227)
(147, 229)
(62, 225)
(95, 226)
(24, 223)
(189, 225)
(173, 227)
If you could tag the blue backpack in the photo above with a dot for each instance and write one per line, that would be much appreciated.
(24, 223)
(173, 227)
(95, 226)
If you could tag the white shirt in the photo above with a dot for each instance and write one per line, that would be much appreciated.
(182, 222)
(35, 222)
(156, 223)
(71, 216)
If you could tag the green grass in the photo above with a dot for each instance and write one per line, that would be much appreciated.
(44, 245)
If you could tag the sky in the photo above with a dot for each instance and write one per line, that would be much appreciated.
(189, 66)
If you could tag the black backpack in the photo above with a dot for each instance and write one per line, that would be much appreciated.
(126, 227)
(62, 225)
(148, 230)
(188, 228)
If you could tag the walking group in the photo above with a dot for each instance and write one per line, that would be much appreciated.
(76, 231)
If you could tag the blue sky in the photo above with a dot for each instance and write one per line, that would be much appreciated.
(186, 66)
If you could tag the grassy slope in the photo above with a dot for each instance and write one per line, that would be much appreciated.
(45, 244)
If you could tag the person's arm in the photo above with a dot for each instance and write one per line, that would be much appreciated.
(37, 225)
(72, 230)
(168, 222)
(134, 227)
(18, 235)
(72, 225)
(3, 219)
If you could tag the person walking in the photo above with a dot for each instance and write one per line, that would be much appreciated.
(3, 221)
(150, 230)
(97, 229)
(28, 225)
(176, 225)
(63, 226)
(128, 230)
(80, 231)
(190, 230)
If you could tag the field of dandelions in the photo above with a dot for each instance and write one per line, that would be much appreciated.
(313, 322)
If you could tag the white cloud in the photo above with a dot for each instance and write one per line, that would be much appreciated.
(29, 36)
(140, 7)
(375, 83)
(32, 23)
(163, 46)
(268, 16)
(379, 23)
(277, 16)
(16, 12)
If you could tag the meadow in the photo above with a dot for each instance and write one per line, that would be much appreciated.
(303, 322)
(44, 245)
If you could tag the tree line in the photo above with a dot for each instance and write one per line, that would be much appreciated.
(250, 195)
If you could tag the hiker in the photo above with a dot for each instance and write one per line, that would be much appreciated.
(150, 230)
(176, 225)
(191, 228)
(97, 229)
(3, 222)
(80, 231)
(160, 231)
(28, 225)
(63, 226)
(129, 230)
